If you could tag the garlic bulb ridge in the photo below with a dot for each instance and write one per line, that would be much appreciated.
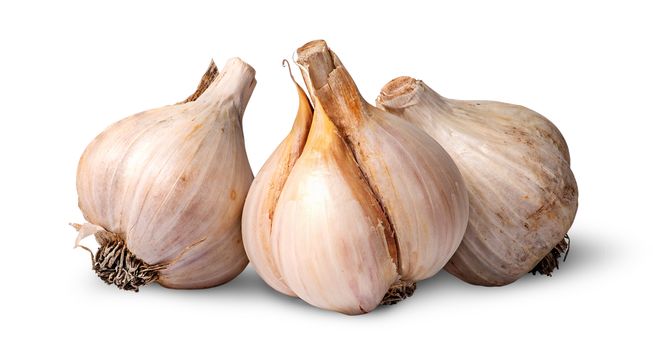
(523, 195)
(163, 190)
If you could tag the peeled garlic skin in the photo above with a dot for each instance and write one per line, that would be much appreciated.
(264, 193)
(329, 232)
(168, 178)
(522, 192)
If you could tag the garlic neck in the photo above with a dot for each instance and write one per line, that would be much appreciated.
(404, 93)
(208, 77)
(330, 85)
(233, 86)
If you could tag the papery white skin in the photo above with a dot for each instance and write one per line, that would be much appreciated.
(523, 195)
(264, 193)
(168, 178)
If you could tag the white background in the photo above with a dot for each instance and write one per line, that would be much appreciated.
(67, 70)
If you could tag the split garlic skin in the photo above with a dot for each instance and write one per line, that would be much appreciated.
(171, 183)
(369, 206)
(422, 191)
(522, 193)
(412, 176)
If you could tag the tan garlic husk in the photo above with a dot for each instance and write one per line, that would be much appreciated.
(369, 206)
(522, 193)
(163, 190)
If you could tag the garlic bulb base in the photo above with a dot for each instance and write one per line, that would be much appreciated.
(116, 265)
(399, 291)
(550, 261)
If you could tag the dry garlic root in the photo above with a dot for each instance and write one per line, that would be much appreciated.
(163, 190)
(355, 205)
(522, 193)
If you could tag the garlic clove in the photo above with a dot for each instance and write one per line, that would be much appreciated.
(415, 180)
(264, 193)
(171, 182)
(523, 195)
(330, 238)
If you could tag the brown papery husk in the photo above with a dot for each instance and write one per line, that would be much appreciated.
(366, 130)
(208, 77)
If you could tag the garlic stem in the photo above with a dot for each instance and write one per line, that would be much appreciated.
(329, 82)
(403, 92)
(234, 85)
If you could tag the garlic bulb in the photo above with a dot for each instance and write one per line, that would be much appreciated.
(163, 190)
(523, 195)
(370, 205)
